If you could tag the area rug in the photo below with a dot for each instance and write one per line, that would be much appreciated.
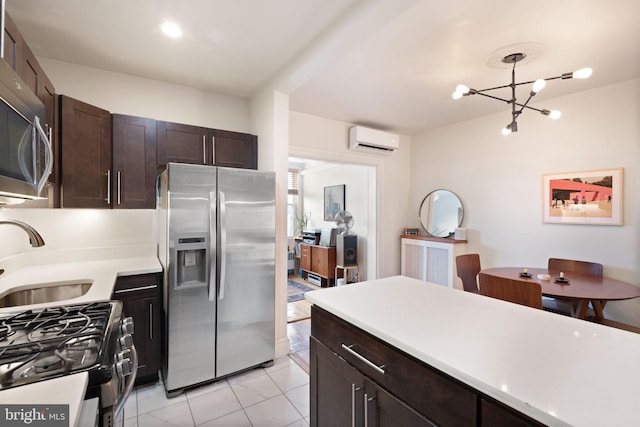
(295, 291)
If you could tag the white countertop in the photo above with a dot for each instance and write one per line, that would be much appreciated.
(101, 266)
(98, 265)
(67, 390)
(556, 369)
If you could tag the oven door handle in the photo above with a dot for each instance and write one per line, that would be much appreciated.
(131, 379)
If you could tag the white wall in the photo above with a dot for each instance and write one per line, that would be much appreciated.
(499, 180)
(78, 228)
(359, 201)
(269, 116)
(318, 138)
(136, 96)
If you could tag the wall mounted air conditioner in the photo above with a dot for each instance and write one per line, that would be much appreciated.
(372, 140)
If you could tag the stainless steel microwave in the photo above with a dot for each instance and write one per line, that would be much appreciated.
(26, 158)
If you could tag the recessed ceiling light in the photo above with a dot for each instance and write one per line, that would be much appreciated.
(171, 29)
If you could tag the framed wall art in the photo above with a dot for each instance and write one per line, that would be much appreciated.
(333, 201)
(584, 197)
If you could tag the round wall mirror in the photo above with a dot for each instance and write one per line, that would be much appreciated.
(440, 213)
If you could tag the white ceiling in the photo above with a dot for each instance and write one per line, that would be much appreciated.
(388, 64)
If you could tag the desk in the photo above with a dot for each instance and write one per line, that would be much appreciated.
(583, 288)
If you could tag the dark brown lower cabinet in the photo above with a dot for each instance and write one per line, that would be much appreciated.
(358, 380)
(141, 299)
(495, 414)
(351, 398)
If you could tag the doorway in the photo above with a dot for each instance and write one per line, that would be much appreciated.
(360, 200)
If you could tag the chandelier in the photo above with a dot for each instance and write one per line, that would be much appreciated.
(518, 108)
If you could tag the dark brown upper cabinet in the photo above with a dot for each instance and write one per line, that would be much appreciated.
(12, 43)
(134, 162)
(235, 149)
(85, 155)
(182, 143)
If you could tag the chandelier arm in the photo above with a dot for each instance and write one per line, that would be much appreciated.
(528, 107)
(518, 84)
(523, 105)
(492, 97)
(494, 88)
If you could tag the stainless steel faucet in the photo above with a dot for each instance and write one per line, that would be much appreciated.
(35, 238)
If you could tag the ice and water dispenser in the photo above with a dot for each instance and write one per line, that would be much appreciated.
(191, 260)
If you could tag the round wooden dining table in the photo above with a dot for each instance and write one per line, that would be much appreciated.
(581, 288)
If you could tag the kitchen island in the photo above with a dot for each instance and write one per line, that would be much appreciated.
(466, 357)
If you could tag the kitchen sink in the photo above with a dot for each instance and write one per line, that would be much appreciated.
(45, 292)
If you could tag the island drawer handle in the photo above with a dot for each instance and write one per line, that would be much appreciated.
(364, 359)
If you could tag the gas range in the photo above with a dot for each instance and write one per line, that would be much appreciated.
(51, 342)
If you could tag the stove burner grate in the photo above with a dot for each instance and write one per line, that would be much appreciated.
(53, 341)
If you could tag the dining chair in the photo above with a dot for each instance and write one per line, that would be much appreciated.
(563, 305)
(584, 267)
(521, 292)
(468, 267)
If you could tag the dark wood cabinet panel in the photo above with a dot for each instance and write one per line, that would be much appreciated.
(140, 296)
(495, 414)
(385, 410)
(344, 396)
(336, 388)
(12, 43)
(30, 71)
(134, 162)
(235, 150)
(85, 154)
(182, 144)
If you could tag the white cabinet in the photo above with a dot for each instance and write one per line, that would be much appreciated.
(432, 259)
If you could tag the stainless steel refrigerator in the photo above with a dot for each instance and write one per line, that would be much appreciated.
(217, 246)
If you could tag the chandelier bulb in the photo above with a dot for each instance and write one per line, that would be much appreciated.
(538, 85)
(462, 89)
(456, 95)
(583, 73)
(506, 130)
(554, 114)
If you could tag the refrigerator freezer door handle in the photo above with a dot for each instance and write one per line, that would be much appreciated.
(212, 246)
(223, 242)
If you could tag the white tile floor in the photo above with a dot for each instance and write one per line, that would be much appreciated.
(277, 396)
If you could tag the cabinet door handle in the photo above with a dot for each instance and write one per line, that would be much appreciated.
(150, 320)
(364, 359)
(204, 149)
(118, 187)
(354, 390)
(367, 401)
(109, 186)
